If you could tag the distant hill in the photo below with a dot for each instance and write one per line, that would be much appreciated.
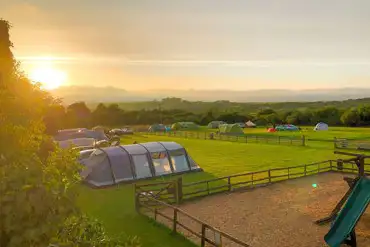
(111, 94)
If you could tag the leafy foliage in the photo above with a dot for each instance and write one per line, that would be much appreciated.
(86, 232)
(37, 179)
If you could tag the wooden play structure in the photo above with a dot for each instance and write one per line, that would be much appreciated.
(350, 208)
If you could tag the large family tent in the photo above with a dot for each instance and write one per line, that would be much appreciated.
(184, 126)
(157, 128)
(78, 137)
(215, 124)
(79, 133)
(321, 126)
(286, 127)
(77, 142)
(112, 165)
(100, 129)
(231, 129)
(250, 124)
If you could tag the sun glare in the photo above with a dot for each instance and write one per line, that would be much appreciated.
(49, 78)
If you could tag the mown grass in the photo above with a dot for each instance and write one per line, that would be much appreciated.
(115, 206)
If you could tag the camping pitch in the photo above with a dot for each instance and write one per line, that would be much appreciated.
(215, 124)
(112, 165)
(184, 126)
(287, 127)
(231, 129)
(157, 128)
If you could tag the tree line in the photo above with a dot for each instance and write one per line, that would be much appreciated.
(112, 115)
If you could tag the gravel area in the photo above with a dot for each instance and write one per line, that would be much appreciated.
(278, 215)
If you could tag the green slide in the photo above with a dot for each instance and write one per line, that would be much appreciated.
(350, 214)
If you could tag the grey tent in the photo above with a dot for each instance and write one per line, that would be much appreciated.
(215, 124)
(112, 165)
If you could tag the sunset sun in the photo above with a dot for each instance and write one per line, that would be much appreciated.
(49, 77)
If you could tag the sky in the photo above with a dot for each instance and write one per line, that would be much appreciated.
(195, 44)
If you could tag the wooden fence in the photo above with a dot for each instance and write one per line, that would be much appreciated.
(175, 219)
(283, 140)
(340, 143)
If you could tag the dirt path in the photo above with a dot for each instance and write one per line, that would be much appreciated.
(277, 215)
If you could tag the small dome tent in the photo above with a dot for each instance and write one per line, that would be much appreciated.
(112, 165)
(250, 124)
(230, 129)
(157, 128)
(215, 124)
(321, 126)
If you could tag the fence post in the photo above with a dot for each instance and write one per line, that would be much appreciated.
(291, 141)
(305, 170)
(229, 182)
(203, 239)
(256, 138)
(288, 172)
(335, 142)
(246, 139)
(155, 214)
(279, 139)
(137, 203)
(303, 140)
(269, 171)
(179, 190)
(207, 188)
(174, 220)
(339, 165)
(331, 165)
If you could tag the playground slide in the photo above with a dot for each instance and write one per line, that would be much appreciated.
(350, 214)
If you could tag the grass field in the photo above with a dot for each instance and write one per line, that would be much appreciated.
(115, 206)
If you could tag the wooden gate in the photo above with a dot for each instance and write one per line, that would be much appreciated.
(169, 192)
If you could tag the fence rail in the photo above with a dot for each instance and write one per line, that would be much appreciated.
(283, 140)
(149, 197)
(173, 215)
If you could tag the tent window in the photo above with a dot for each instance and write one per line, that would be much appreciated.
(161, 163)
(179, 161)
(193, 165)
(141, 166)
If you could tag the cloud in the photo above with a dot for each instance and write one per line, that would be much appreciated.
(124, 61)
